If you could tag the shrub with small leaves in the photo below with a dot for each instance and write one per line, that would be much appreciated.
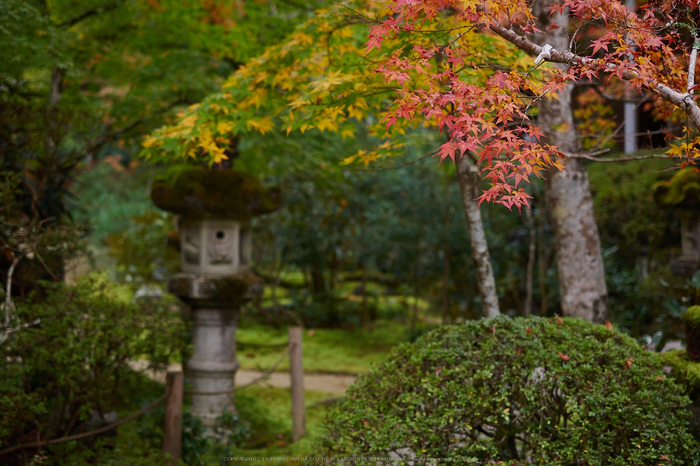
(75, 360)
(521, 391)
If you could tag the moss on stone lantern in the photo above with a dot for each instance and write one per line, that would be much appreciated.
(682, 193)
(197, 192)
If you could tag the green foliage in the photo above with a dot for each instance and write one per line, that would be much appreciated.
(113, 200)
(526, 390)
(109, 195)
(692, 316)
(691, 321)
(264, 425)
(75, 359)
(621, 191)
(685, 371)
(639, 238)
(325, 350)
(194, 437)
(141, 251)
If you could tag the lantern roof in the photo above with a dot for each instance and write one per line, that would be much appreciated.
(198, 192)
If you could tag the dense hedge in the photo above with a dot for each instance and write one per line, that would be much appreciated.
(527, 390)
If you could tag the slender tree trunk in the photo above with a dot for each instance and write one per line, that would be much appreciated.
(530, 262)
(568, 196)
(52, 130)
(468, 177)
(365, 314)
(542, 264)
(445, 284)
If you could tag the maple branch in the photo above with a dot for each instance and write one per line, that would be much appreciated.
(410, 162)
(612, 98)
(298, 5)
(645, 133)
(682, 100)
(589, 156)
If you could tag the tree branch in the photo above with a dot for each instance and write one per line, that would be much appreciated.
(618, 159)
(682, 100)
(91, 12)
(8, 289)
(410, 162)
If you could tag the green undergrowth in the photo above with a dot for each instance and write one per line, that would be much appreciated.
(268, 410)
(265, 412)
(324, 350)
(685, 371)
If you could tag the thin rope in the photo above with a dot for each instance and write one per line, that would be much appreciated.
(260, 345)
(252, 382)
(85, 434)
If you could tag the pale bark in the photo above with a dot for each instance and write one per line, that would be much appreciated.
(468, 177)
(568, 197)
(527, 309)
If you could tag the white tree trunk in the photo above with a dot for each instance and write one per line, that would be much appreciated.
(469, 183)
(568, 197)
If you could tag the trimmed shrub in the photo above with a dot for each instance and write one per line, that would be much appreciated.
(523, 391)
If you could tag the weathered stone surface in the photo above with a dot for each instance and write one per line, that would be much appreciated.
(197, 192)
(218, 291)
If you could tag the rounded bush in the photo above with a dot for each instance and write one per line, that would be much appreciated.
(519, 391)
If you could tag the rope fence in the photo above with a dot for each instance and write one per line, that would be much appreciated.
(87, 434)
(260, 345)
(174, 402)
(252, 382)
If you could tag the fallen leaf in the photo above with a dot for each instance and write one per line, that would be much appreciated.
(563, 356)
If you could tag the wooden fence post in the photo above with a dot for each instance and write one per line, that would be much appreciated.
(296, 372)
(172, 430)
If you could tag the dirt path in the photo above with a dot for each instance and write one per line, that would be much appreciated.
(328, 383)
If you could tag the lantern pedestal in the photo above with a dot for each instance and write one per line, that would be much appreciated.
(213, 366)
(214, 306)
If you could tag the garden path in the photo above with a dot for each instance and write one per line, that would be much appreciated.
(328, 383)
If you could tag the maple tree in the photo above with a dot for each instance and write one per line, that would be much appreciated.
(473, 70)
(321, 78)
(444, 65)
(649, 50)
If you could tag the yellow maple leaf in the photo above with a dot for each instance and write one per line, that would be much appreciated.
(347, 133)
(224, 127)
(263, 125)
(327, 124)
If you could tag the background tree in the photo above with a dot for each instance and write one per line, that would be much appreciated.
(83, 79)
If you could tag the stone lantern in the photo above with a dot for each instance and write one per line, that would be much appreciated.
(682, 192)
(214, 208)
